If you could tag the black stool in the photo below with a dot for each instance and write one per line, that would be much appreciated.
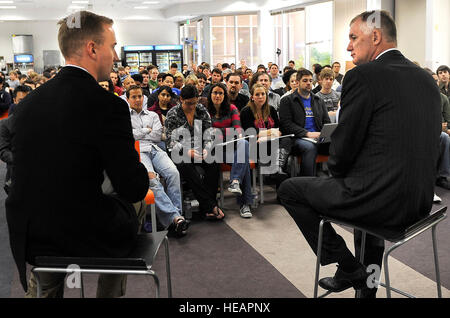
(398, 237)
(139, 262)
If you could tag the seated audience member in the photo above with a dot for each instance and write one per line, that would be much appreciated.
(443, 72)
(290, 78)
(248, 76)
(145, 85)
(264, 79)
(122, 73)
(6, 133)
(30, 84)
(153, 81)
(166, 80)
(234, 86)
(166, 99)
(186, 71)
(199, 84)
(19, 93)
(283, 90)
(317, 68)
(233, 67)
(174, 70)
(262, 117)
(107, 85)
(127, 83)
(245, 90)
(139, 80)
(225, 116)
(202, 81)
(179, 82)
(291, 64)
(329, 96)
(304, 114)
(261, 69)
(117, 83)
(5, 98)
(225, 66)
(186, 117)
(216, 77)
(22, 79)
(13, 81)
(336, 69)
(276, 81)
(147, 129)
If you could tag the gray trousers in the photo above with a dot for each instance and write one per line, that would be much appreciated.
(108, 285)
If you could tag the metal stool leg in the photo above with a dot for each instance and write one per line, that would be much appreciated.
(153, 217)
(361, 256)
(169, 280)
(319, 254)
(38, 285)
(156, 279)
(261, 190)
(436, 262)
(386, 274)
(81, 286)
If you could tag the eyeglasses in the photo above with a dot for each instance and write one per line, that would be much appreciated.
(217, 93)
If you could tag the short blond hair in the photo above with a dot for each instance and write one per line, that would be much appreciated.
(78, 28)
(326, 72)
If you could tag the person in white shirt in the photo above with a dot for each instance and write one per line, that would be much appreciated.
(147, 129)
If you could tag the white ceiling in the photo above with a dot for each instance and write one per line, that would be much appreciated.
(116, 9)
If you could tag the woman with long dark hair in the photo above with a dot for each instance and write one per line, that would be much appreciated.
(225, 116)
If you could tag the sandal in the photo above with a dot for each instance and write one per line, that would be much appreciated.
(217, 212)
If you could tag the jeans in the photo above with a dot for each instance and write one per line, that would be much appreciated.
(240, 170)
(444, 156)
(308, 151)
(169, 204)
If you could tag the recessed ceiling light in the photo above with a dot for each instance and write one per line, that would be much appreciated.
(8, 7)
(150, 2)
(141, 7)
(9, 1)
(80, 2)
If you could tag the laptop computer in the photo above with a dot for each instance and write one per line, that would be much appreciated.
(325, 134)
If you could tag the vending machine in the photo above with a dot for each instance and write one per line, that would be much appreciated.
(137, 55)
(165, 55)
(23, 62)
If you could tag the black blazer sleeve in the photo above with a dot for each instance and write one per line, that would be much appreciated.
(274, 115)
(5, 140)
(128, 176)
(349, 135)
(247, 118)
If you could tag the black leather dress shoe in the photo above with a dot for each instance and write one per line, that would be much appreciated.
(342, 280)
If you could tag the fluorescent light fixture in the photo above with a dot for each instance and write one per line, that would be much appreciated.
(150, 2)
(5, 2)
(80, 2)
(141, 7)
(76, 7)
(8, 7)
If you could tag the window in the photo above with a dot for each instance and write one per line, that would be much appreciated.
(304, 34)
(191, 37)
(234, 38)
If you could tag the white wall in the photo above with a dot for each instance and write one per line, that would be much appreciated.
(45, 36)
(440, 33)
(411, 18)
(344, 12)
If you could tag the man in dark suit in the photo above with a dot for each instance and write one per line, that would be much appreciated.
(383, 154)
(68, 135)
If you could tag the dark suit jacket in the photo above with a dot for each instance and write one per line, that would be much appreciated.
(293, 115)
(384, 152)
(65, 135)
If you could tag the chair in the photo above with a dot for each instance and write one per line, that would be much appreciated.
(396, 236)
(139, 262)
(227, 167)
(4, 115)
(297, 160)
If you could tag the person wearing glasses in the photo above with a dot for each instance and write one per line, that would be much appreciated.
(189, 143)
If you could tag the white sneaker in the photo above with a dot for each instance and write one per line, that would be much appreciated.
(436, 199)
(245, 212)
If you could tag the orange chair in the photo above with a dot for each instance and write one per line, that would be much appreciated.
(227, 167)
(4, 115)
(150, 197)
(295, 166)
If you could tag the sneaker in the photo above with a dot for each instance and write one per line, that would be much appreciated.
(436, 199)
(235, 188)
(245, 212)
